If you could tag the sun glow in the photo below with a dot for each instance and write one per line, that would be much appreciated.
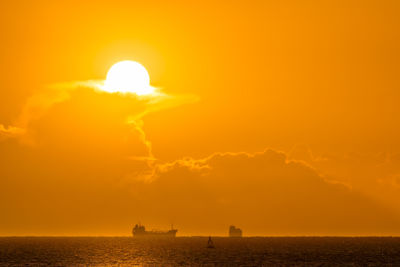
(128, 77)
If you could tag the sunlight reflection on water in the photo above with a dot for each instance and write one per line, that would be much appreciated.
(192, 251)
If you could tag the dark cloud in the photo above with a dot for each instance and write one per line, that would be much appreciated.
(71, 158)
(372, 173)
(81, 164)
(265, 193)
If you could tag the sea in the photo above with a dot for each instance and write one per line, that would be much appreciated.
(193, 251)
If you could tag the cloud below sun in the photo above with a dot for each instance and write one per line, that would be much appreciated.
(71, 138)
(81, 159)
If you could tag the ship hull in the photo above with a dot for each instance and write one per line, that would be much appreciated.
(151, 234)
(155, 235)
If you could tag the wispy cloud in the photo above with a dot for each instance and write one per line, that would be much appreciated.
(10, 131)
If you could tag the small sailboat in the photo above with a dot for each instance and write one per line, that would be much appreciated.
(210, 243)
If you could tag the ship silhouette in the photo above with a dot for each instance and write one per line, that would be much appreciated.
(140, 231)
(235, 232)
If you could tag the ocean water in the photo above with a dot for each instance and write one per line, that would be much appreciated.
(192, 251)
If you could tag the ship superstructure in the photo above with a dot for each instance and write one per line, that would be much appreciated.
(140, 231)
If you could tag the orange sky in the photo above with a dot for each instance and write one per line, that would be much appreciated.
(280, 117)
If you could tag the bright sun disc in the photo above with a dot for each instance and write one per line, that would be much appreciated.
(128, 77)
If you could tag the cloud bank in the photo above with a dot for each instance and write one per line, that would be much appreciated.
(265, 193)
(67, 154)
(78, 163)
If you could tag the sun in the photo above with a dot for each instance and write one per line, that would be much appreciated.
(128, 77)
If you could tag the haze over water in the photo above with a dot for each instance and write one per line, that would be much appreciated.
(192, 251)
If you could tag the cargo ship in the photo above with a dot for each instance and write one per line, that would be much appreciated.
(235, 232)
(140, 231)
